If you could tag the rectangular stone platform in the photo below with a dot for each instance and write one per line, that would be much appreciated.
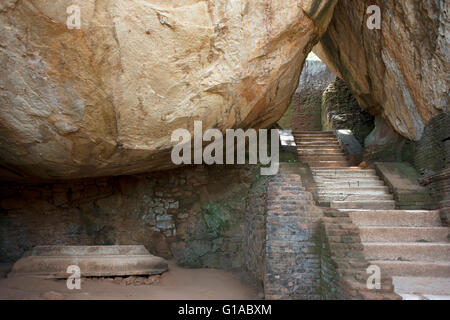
(93, 261)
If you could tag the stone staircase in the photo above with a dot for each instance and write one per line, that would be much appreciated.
(319, 149)
(411, 246)
(339, 185)
(352, 188)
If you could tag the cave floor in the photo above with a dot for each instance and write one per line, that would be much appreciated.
(176, 284)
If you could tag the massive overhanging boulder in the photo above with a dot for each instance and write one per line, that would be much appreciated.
(399, 72)
(104, 99)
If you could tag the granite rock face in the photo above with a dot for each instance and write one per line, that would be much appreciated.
(399, 72)
(105, 98)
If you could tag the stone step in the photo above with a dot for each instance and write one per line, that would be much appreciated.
(316, 140)
(349, 184)
(333, 150)
(366, 204)
(315, 137)
(398, 251)
(343, 170)
(326, 163)
(351, 190)
(330, 173)
(322, 157)
(395, 218)
(328, 197)
(413, 268)
(317, 144)
(422, 288)
(343, 180)
(403, 234)
(347, 168)
(318, 151)
(313, 133)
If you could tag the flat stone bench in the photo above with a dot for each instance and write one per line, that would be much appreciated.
(93, 261)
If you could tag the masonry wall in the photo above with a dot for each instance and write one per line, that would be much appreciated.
(304, 112)
(254, 250)
(430, 156)
(340, 110)
(432, 160)
(292, 258)
(193, 214)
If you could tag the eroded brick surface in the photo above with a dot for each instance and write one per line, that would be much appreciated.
(292, 260)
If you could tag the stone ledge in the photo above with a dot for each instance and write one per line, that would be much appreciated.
(403, 182)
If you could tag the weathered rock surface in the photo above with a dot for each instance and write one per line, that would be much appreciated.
(104, 99)
(400, 71)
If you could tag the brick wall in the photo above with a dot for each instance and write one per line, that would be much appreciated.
(292, 260)
(254, 250)
(432, 159)
(340, 110)
(430, 153)
(307, 112)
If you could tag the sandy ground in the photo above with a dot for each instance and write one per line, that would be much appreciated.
(178, 283)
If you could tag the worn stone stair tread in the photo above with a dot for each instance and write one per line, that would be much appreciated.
(93, 261)
(395, 218)
(348, 188)
(313, 133)
(323, 156)
(330, 161)
(346, 168)
(314, 150)
(316, 144)
(357, 195)
(427, 288)
(326, 163)
(313, 137)
(353, 190)
(349, 196)
(414, 268)
(337, 174)
(364, 204)
(344, 180)
(409, 251)
(403, 234)
(350, 184)
(319, 153)
(342, 171)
